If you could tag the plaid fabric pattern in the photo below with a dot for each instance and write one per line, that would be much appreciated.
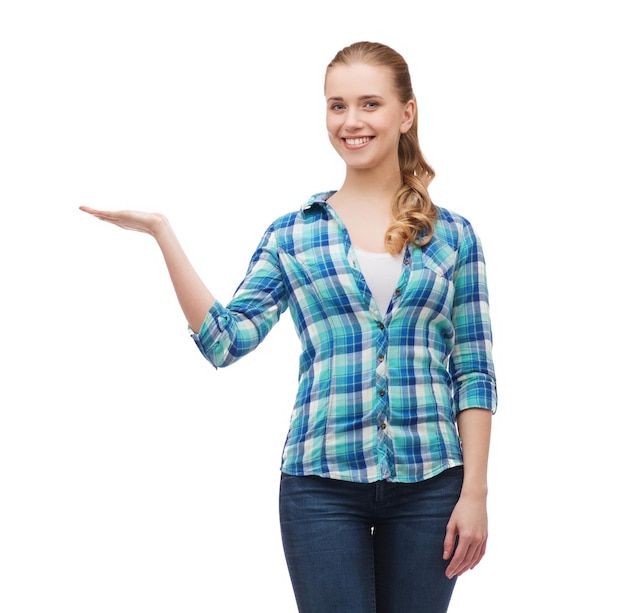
(378, 392)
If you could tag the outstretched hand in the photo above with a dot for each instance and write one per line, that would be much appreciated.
(138, 221)
(195, 299)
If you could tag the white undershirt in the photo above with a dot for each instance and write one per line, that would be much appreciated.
(381, 271)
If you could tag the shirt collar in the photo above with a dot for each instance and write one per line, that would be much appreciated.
(317, 200)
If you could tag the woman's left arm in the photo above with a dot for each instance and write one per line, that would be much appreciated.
(475, 399)
(468, 522)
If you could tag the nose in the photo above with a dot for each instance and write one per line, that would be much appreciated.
(353, 120)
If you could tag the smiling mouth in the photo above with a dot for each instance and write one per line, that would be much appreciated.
(357, 142)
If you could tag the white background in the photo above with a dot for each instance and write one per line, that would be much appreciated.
(133, 476)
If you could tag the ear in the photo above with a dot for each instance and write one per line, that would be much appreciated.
(410, 109)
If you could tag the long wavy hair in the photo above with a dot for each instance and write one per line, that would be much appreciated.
(413, 212)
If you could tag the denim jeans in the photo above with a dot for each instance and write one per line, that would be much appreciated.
(368, 547)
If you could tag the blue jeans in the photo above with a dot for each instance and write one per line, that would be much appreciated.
(368, 547)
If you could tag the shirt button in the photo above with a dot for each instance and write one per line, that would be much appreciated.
(381, 393)
(381, 358)
(383, 426)
(381, 325)
(407, 261)
(398, 292)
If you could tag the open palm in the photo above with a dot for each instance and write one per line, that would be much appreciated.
(138, 221)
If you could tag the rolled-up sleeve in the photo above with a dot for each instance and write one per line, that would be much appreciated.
(471, 362)
(229, 332)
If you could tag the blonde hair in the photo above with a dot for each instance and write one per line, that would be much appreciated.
(413, 211)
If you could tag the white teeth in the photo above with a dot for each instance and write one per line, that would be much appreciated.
(357, 141)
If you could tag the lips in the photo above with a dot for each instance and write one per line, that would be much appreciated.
(355, 143)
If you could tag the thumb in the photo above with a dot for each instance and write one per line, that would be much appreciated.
(449, 541)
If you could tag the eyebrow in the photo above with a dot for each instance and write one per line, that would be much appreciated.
(368, 97)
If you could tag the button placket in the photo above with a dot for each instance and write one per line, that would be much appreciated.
(385, 451)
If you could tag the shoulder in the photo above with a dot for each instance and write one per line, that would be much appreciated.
(285, 221)
(453, 228)
(311, 210)
(450, 221)
(299, 229)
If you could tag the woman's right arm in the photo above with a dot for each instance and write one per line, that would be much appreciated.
(193, 296)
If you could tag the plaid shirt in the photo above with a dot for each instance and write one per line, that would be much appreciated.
(378, 392)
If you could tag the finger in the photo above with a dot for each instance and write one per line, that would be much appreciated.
(88, 209)
(479, 556)
(469, 560)
(114, 217)
(458, 559)
(449, 542)
(105, 215)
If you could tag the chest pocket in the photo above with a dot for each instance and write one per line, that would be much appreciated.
(331, 278)
(430, 291)
(439, 257)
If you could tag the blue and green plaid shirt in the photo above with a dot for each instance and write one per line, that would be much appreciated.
(378, 392)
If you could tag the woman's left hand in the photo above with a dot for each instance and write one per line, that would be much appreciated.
(468, 522)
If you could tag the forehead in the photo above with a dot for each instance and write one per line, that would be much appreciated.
(343, 80)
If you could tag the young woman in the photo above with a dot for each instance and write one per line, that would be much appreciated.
(382, 506)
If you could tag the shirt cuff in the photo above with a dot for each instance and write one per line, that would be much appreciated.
(480, 393)
(209, 338)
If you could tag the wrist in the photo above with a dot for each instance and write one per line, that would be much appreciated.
(472, 488)
(160, 227)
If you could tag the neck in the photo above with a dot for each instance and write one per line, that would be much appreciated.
(368, 186)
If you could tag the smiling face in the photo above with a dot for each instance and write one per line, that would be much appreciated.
(365, 117)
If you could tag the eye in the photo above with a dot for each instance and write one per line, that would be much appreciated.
(371, 104)
(337, 107)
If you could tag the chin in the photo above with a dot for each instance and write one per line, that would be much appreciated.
(359, 164)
